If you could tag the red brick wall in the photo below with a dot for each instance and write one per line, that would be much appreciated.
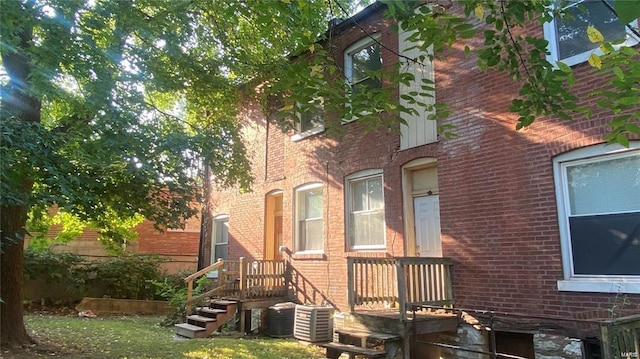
(498, 210)
(179, 247)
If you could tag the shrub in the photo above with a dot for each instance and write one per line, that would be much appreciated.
(129, 276)
(67, 271)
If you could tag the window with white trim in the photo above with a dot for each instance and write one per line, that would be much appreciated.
(365, 210)
(362, 59)
(598, 197)
(220, 238)
(567, 36)
(309, 225)
(310, 120)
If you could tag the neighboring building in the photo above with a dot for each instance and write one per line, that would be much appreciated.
(179, 247)
(541, 222)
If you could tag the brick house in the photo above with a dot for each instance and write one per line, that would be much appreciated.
(539, 223)
(179, 247)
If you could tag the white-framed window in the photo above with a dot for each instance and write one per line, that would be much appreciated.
(361, 59)
(309, 224)
(598, 197)
(220, 238)
(365, 210)
(309, 121)
(567, 36)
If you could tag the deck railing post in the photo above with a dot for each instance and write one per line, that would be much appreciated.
(351, 295)
(242, 286)
(402, 289)
(448, 283)
(189, 295)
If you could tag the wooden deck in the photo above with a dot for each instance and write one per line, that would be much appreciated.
(392, 322)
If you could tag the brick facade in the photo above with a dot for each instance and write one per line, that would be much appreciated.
(179, 247)
(497, 201)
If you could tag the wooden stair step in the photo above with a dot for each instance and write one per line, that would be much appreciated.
(335, 349)
(210, 312)
(200, 318)
(223, 302)
(202, 321)
(190, 331)
(359, 333)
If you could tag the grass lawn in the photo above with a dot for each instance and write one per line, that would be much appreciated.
(135, 337)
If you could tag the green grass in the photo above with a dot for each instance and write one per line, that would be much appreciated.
(141, 337)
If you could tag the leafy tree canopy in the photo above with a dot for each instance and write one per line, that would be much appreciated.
(133, 96)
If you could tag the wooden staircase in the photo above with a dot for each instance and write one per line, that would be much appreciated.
(207, 319)
(363, 343)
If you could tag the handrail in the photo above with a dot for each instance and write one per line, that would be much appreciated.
(202, 271)
(399, 281)
(243, 279)
(189, 280)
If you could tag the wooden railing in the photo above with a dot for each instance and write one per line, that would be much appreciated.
(241, 280)
(621, 337)
(401, 282)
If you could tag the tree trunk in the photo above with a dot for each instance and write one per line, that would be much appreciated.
(12, 223)
(19, 101)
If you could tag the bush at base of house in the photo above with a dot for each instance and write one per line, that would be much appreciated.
(63, 278)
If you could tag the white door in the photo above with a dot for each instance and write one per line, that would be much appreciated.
(427, 221)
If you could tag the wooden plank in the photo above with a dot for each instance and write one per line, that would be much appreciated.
(358, 333)
(243, 277)
(348, 348)
(350, 284)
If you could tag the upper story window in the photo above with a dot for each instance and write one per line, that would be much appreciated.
(598, 196)
(362, 59)
(310, 120)
(365, 210)
(309, 225)
(567, 36)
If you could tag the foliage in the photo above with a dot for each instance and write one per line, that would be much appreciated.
(67, 269)
(546, 87)
(174, 290)
(126, 276)
(140, 337)
(117, 234)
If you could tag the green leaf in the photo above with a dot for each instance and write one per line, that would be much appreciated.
(627, 10)
(630, 51)
(622, 139)
(618, 71)
(628, 101)
(564, 67)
